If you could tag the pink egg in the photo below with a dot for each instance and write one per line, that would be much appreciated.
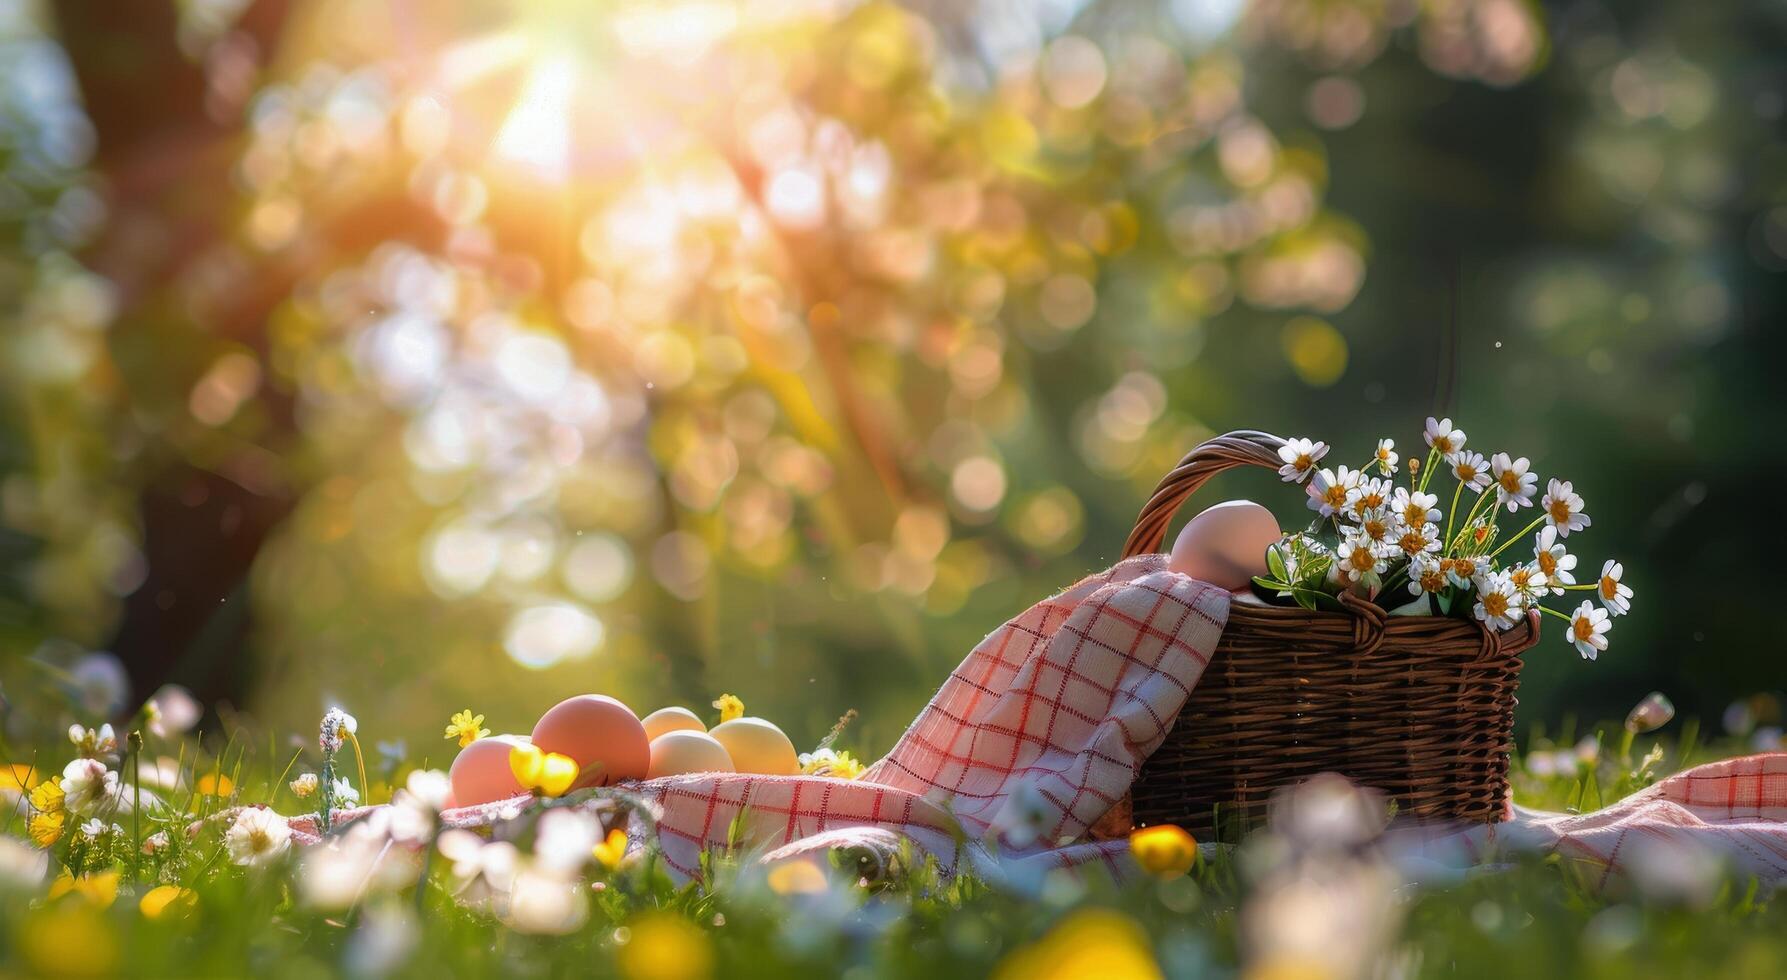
(602, 734)
(480, 772)
(1226, 545)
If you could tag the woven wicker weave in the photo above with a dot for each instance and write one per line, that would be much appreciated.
(1419, 707)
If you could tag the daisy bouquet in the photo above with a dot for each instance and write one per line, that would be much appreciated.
(1380, 533)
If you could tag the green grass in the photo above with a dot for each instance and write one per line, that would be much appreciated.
(1544, 915)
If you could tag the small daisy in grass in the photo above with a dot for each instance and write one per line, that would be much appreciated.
(1515, 484)
(1498, 605)
(1300, 457)
(1386, 457)
(1471, 470)
(1552, 558)
(466, 727)
(1588, 629)
(1329, 491)
(1444, 439)
(1444, 544)
(1563, 508)
(1615, 595)
(258, 837)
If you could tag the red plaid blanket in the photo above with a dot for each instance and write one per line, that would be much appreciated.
(1046, 723)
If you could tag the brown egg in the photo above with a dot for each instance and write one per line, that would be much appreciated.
(480, 772)
(682, 751)
(1226, 545)
(603, 735)
(672, 719)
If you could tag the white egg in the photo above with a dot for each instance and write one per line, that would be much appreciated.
(1226, 544)
(682, 751)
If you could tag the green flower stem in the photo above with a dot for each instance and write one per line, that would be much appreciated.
(1523, 533)
(1553, 612)
(325, 790)
(1433, 457)
(359, 761)
(1452, 511)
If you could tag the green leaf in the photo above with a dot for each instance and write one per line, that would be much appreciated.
(1275, 562)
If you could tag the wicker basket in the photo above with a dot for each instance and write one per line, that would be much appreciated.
(1420, 708)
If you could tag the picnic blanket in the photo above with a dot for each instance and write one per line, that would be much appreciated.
(1046, 723)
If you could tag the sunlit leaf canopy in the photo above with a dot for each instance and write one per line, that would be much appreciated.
(663, 349)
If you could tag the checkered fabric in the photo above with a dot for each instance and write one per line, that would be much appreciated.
(1045, 725)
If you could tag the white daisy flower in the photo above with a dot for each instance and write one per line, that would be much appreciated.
(1441, 436)
(87, 786)
(1415, 508)
(1529, 584)
(258, 837)
(97, 828)
(1563, 508)
(1615, 595)
(1557, 563)
(1360, 559)
(1381, 527)
(1588, 630)
(1497, 604)
(1300, 457)
(1386, 456)
(1426, 574)
(1329, 490)
(1370, 495)
(1419, 540)
(1464, 572)
(1514, 483)
(1471, 469)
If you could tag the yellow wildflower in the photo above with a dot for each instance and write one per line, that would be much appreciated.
(68, 939)
(546, 773)
(1094, 943)
(796, 877)
(167, 901)
(46, 828)
(216, 784)
(467, 728)
(827, 762)
(610, 851)
(1165, 851)
(100, 890)
(46, 797)
(665, 946)
(304, 785)
(730, 707)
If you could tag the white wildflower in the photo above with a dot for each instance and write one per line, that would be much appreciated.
(1329, 491)
(1615, 595)
(88, 786)
(1588, 630)
(1552, 558)
(1514, 483)
(1386, 457)
(1497, 604)
(1563, 508)
(1442, 437)
(258, 837)
(1471, 469)
(1300, 457)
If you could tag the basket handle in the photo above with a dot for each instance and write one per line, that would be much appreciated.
(1243, 447)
